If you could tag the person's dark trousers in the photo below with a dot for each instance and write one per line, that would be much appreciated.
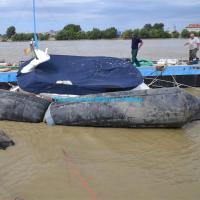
(134, 57)
(193, 54)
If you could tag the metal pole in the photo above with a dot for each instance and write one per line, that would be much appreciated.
(34, 23)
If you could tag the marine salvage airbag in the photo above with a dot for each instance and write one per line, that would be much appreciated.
(167, 107)
(21, 107)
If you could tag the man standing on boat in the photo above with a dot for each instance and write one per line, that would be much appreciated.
(194, 45)
(136, 45)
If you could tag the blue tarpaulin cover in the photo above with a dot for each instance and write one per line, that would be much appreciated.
(88, 75)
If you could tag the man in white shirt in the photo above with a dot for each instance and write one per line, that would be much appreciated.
(194, 45)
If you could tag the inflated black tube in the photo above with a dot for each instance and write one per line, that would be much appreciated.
(21, 107)
(170, 107)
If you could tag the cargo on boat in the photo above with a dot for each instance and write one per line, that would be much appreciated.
(172, 107)
(78, 75)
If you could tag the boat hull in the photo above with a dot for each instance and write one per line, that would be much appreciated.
(183, 81)
(185, 76)
(172, 107)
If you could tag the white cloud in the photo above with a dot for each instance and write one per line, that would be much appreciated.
(43, 2)
(98, 13)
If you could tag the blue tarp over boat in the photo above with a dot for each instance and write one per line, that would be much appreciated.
(88, 75)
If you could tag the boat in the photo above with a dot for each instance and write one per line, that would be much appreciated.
(8, 73)
(7, 79)
(167, 75)
(79, 75)
(183, 76)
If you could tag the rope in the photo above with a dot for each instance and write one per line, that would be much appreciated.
(177, 84)
(155, 80)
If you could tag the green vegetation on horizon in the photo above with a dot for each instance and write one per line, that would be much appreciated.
(12, 35)
(75, 32)
(156, 31)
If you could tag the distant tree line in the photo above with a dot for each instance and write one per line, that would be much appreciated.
(156, 31)
(75, 32)
(148, 31)
(185, 33)
(12, 35)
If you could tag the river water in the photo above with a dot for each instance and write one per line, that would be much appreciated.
(152, 49)
(75, 163)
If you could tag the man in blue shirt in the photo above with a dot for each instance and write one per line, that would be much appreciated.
(136, 45)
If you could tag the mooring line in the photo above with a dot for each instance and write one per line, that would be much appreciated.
(77, 173)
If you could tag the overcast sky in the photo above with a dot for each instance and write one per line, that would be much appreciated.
(123, 14)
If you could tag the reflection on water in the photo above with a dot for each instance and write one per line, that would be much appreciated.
(116, 163)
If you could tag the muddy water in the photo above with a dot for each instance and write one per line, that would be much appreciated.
(152, 49)
(103, 164)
